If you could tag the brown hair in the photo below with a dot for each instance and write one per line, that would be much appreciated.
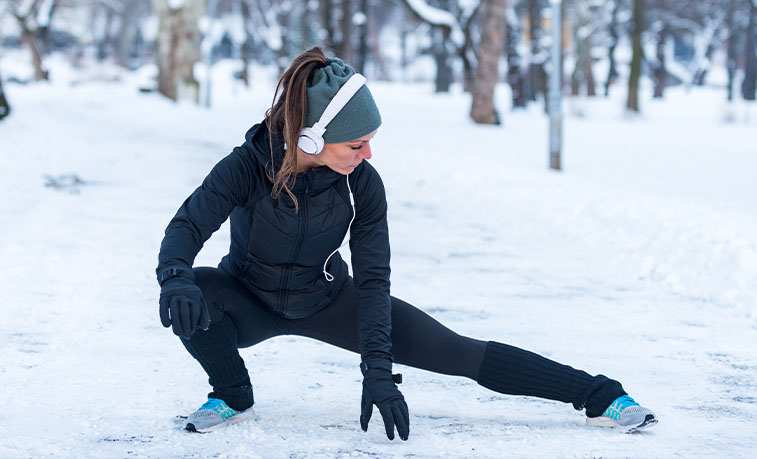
(286, 116)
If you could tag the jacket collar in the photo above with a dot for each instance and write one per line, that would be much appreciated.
(311, 181)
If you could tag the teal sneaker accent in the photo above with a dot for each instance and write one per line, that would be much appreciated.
(220, 407)
(215, 413)
(613, 411)
(625, 415)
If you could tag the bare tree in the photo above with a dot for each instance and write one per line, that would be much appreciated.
(178, 48)
(750, 66)
(469, 21)
(585, 24)
(492, 43)
(515, 75)
(659, 72)
(5, 108)
(374, 22)
(537, 76)
(612, 72)
(343, 46)
(326, 9)
(442, 23)
(637, 26)
(731, 53)
(125, 14)
(28, 22)
(662, 11)
(361, 21)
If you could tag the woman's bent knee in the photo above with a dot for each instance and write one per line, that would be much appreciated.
(212, 283)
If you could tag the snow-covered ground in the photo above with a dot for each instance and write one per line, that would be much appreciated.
(639, 261)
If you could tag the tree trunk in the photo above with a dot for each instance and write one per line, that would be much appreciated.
(612, 73)
(40, 73)
(244, 52)
(750, 67)
(105, 41)
(591, 85)
(362, 50)
(579, 75)
(514, 73)
(178, 48)
(326, 9)
(375, 49)
(344, 48)
(28, 37)
(731, 55)
(44, 32)
(284, 17)
(637, 26)
(125, 32)
(5, 108)
(492, 41)
(308, 29)
(537, 76)
(440, 50)
(442, 57)
(467, 53)
(583, 74)
(660, 72)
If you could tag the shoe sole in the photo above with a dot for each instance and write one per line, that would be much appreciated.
(246, 415)
(603, 421)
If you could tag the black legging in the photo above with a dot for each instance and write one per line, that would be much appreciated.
(239, 320)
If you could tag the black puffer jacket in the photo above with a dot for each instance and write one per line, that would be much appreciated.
(279, 253)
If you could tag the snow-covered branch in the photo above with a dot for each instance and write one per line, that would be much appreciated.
(431, 15)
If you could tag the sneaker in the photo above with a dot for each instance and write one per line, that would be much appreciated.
(215, 413)
(625, 415)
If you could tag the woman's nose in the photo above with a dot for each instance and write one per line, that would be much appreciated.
(365, 152)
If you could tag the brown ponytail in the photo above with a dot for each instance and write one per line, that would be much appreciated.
(286, 116)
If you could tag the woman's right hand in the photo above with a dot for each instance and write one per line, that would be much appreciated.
(183, 306)
(380, 389)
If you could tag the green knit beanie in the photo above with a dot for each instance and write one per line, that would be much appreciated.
(359, 117)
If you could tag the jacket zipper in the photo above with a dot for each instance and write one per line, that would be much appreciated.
(301, 232)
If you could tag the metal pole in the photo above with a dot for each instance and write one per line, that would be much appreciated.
(209, 54)
(555, 91)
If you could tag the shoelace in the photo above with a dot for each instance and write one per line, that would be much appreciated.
(220, 407)
(613, 411)
(214, 404)
(624, 402)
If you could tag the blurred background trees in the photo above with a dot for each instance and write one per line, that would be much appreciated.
(608, 45)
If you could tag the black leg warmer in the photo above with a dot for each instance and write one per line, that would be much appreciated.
(510, 370)
(216, 350)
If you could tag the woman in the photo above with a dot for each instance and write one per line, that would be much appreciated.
(293, 190)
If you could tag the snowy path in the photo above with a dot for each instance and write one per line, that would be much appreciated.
(641, 272)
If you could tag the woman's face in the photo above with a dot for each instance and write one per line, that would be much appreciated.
(346, 156)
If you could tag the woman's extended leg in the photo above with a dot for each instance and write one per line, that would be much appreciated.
(420, 341)
(236, 320)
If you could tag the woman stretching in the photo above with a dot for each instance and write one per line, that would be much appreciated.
(293, 191)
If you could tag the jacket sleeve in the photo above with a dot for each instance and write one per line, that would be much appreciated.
(204, 211)
(369, 247)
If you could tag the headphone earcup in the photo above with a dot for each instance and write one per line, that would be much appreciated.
(310, 142)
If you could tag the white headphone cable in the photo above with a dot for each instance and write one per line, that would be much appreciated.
(328, 275)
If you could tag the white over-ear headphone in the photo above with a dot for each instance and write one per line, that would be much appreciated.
(311, 138)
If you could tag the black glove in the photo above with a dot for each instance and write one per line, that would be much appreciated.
(182, 304)
(379, 389)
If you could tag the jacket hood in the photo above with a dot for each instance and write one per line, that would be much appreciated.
(313, 180)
